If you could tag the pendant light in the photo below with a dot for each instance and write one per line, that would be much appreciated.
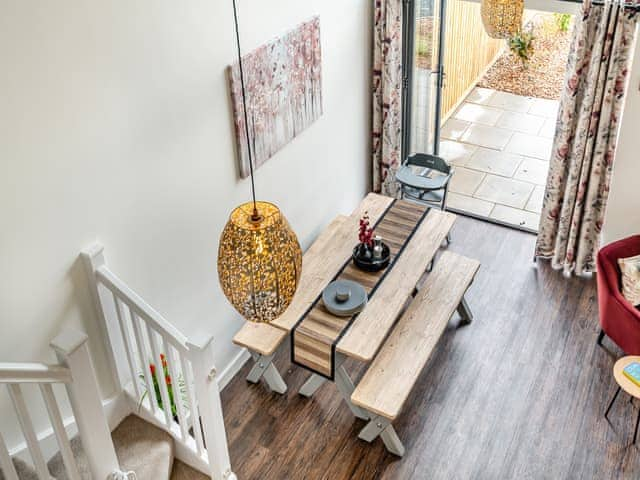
(502, 18)
(259, 257)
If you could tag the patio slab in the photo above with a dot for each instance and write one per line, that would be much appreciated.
(500, 145)
(454, 128)
(466, 181)
(481, 96)
(456, 153)
(494, 161)
(471, 112)
(470, 204)
(511, 102)
(487, 136)
(521, 122)
(533, 170)
(530, 145)
(535, 201)
(516, 216)
(505, 191)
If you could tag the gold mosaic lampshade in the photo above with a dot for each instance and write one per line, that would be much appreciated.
(502, 18)
(259, 261)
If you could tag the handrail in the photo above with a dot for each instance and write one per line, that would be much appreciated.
(33, 373)
(75, 370)
(141, 307)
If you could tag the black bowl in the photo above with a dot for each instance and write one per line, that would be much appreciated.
(370, 264)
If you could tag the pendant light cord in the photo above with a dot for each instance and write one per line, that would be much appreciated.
(255, 216)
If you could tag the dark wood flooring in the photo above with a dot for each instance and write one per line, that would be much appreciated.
(518, 394)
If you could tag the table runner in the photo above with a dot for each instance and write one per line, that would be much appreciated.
(316, 333)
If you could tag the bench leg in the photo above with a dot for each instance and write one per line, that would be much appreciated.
(264, 368)
(465, 311)
(311, 385)
(346, 387)
(380, 426)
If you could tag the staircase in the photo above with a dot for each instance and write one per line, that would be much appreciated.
(146, 354)
(140, 447)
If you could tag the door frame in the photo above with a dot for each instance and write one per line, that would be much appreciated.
(408, 49)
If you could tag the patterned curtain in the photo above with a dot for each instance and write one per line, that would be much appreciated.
(586, 135)
(387, 94)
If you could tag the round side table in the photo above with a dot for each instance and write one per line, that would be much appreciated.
(627, 385)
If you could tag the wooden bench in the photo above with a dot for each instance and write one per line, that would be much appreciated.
(262, 340)
(387, 383)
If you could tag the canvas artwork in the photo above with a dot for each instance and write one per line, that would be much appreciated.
(283, 89)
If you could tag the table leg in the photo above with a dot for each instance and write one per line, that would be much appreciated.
(465, 312)
(264, 368)
(346, 387)
(380, 426)
(635, 433)
(612, 402)
(310, 386)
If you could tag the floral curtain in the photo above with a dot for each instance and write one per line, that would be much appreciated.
(387, 94)
(586, 135)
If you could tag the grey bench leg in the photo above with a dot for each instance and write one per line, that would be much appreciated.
(264, 368)
(380, 426)
(311, 385)
(465, 312)
(346, 387)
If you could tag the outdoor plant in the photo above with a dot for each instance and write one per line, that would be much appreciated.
(171, 388)
(521, 45)
(563, 21)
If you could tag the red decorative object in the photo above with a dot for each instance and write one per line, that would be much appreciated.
(174, 395)
(618, 318)
(365, 234)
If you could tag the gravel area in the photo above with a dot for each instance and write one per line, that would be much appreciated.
(544, 75)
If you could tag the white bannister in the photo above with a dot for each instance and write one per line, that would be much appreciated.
(139, 336)
(72, 351)
(76, 372)
(6, 464)
(33, 373)
(210, 406)
(27, 429)
(60, 432)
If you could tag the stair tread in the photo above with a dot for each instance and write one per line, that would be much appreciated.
(140, 447)
(182, 471)
(25, 471)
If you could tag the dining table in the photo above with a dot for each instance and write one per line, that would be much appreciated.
(320, 341)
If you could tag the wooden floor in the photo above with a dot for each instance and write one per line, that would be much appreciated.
(518, 394)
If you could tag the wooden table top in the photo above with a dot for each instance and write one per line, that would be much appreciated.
(626, 384)
(334, 245)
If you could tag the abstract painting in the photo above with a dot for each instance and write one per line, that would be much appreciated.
(283, 92)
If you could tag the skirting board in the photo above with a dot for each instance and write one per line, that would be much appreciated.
(233, 368)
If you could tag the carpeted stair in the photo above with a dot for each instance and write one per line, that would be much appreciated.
(23, 469)
(140, 447)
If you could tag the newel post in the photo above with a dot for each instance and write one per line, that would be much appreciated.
(72, 351)
(93, 259)
(210, 408)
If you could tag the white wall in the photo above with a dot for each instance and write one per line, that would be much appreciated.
(623, 209)
(115, 125)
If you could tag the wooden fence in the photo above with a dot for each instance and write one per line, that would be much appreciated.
(469, 52)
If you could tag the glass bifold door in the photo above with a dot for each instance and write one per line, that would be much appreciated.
(423, 75)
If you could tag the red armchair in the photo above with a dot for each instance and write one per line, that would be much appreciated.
(619, 320)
